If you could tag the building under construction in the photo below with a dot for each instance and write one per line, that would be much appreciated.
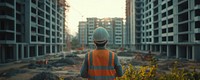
(31, 28)
(170, 27)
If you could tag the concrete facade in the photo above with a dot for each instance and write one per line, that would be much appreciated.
(30, 28)
(169, 26)
(114, 26)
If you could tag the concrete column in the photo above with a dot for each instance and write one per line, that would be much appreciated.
(56, 49)
(36, 50)
(193, 54)
(160, 48)
(28, 51)
(50, 49)
(45, 49)
(22, 51)
(177, 52)
(168, 52)
(150, 47)
(3, 54)
(187, 52)
(16, 54)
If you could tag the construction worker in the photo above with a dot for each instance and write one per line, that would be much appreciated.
(101, 64)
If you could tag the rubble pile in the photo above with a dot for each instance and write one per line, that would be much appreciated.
(45, 76)
(125, 54)
(64, 62)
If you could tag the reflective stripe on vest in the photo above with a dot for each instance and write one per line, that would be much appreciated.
(101, 72)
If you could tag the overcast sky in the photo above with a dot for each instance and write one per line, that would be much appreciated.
(82, 9)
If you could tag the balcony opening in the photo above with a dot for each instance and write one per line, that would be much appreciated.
(18, 28)
(197, 2)
(164, 22)
(170, 3)
(19, 38)
(163, 6)
(197, 12)
(33, 38)
(48, 40)
(40, 50)
(41, 30)
(170, 12)
(7, 11)
(155, 3)
(183, 27)
(33, 30)
(183, 38)
(163, 38)
(155, 32)
(6, 24)
(197, 36)
(183, 17)
(156, 25)
(41, 4)
(197, 24)
(170, 21)
(33, 19)
(33, 10)
(164, 30)
(183, 6)
(41, 38)
(33, 1)
(40, 13)
(170, 38)
(32, 51)
(164, 14)
(155, 10)
(170, 29)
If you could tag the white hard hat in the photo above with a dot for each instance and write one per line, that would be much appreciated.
(100, 34)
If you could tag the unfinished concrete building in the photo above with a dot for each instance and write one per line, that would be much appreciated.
(31, 28)
(170, 27)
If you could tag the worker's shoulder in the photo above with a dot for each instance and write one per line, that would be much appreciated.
(111, 51)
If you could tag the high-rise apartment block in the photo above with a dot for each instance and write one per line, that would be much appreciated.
(31, 28)
(114, 26)
(165, 26)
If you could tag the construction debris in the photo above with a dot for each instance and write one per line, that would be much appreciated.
(45, 76)
(64, 62)
(125, 54)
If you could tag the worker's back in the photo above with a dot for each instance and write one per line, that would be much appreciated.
(101, 64)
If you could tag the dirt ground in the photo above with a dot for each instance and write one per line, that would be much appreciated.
(21, 71)
(69, 68)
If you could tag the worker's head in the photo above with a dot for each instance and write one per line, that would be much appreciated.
(100, 36)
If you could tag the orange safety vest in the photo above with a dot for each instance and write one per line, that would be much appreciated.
(101, 65)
